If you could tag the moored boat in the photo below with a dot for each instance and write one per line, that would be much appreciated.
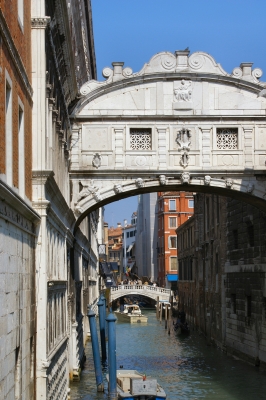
(131, 313)
(133, 385)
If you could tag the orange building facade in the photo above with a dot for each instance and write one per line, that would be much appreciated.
(174, 208)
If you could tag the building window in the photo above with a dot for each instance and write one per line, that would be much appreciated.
(227, 138)
(235, 239)
(248, 309)
(250, 229)
(172, 206)
(8, 132)
(191, 203)
(173, 263)
(131, 233)
(21, 12)
(233, 303)
(172, 242)
(127, 234)
(172, 222)
(21, 149)
(140, 139)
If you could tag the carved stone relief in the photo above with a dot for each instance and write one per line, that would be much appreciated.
(139, 182)
(207, 180)
(182, 95)
(162, 179)
(118, 188)
(183, 140)
(97, 160)
(185, 177)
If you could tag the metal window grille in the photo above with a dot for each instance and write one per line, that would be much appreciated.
(227, 138)
(140, 139)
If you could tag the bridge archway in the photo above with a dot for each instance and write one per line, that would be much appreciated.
(181, 123)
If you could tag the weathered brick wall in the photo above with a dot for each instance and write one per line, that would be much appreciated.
(21, 47)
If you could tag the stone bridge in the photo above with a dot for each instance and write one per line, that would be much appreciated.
(144, 290)
(181, 123)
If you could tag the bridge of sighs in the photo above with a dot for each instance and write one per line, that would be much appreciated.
(181, 123)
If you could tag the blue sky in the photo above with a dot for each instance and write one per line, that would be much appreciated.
(132, 31)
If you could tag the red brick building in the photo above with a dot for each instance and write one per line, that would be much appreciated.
(174, 208)
(15, 86)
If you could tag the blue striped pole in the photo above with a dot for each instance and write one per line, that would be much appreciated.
(96, 351)
(101, 305)
(112, 356)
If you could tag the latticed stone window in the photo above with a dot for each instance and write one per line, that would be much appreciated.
(227, 138)
(140, 139)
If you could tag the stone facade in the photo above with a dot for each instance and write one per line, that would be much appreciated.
(222, 275)
(66, 253)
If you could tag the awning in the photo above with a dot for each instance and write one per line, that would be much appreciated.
(130, 264)
(130, 247)
(172, 277)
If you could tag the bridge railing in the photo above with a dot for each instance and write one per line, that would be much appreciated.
(141, 289)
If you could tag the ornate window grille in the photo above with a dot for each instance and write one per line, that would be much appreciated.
(140, 139)
(227, 138)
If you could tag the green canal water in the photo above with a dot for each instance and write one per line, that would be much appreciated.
(184, 366)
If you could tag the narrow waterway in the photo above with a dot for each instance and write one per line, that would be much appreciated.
(185, 366)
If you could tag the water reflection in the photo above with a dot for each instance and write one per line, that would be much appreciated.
(184, 366)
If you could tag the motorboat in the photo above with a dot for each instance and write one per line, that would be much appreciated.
(136, 386)
(131, 313)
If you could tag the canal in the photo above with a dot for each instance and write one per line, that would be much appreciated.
(185, 366)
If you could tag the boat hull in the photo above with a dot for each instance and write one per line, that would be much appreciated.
(132, 319)
(131, 385)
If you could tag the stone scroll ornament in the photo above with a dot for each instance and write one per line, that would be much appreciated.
(183, 140)
(185, 178)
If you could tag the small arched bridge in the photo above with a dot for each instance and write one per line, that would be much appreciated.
(144, 290)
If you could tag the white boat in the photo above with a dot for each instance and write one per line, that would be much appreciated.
(132, 313)
(135, 386)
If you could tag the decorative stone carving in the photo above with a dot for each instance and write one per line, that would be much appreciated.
(107, 72)
(207, 180)
(184, 159)
(250, 188)
(118, 188)
(78, 209)
(162, 179)
(185, 178)
(237, 72)
(183, 91)
(127, 72)
(196, 61)
(168, 62)
(140, 161)
(139, 182)
(183, 139)
(89, 189)
(257, 73)
(229, 183)
(97, 160)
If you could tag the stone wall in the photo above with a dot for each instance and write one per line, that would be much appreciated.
(17, 297)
